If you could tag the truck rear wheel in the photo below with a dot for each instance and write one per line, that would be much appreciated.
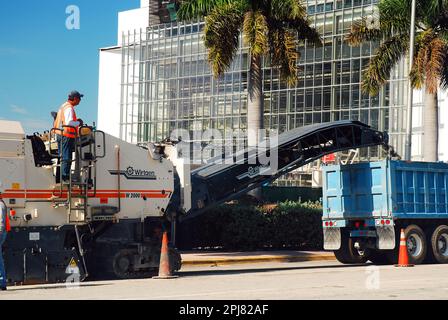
(439, 244)
(416, 243)
(348, 254)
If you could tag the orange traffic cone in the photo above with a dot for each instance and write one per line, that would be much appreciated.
(164, 268)
(403, 259)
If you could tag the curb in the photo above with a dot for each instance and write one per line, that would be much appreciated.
(227, 261)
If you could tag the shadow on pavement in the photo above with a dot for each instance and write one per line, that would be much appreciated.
(260, 270)
(272, 253)
(62, 286)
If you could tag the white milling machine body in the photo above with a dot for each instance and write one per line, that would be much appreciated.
(108, 220)
(125, 187)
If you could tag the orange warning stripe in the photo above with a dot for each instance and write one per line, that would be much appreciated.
(102, 190)
(100, 194)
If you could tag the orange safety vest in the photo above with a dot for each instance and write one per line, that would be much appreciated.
(8, 224)
(60, 119)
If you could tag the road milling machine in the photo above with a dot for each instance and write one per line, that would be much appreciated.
(108, 219)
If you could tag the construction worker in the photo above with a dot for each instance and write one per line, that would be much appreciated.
(68, 123)
(4, 229)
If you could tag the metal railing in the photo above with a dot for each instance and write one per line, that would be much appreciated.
(84, 175)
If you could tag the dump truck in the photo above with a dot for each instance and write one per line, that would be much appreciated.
(108, 219)
(367, 204)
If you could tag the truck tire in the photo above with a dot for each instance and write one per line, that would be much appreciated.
(348, 254)
(416, 244)
(439, 244)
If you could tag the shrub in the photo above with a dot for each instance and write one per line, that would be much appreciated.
(288, 224)
(295, 225)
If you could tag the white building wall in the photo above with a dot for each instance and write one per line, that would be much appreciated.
(131, 20)
(109, 88)
(109, 91)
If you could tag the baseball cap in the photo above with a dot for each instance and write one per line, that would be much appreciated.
(75, 94)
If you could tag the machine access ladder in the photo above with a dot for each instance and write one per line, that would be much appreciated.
(74, 194)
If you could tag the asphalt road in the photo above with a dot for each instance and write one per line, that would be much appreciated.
(297, 280)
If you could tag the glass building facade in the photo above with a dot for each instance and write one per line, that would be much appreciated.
(167, 83)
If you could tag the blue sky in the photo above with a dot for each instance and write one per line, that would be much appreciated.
(41, 60)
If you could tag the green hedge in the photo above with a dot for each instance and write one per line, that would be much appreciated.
(288, 224)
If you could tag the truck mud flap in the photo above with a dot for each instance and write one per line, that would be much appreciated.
(385, 237)
(332, 238)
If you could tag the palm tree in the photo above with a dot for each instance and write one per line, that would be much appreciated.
(271, 29)
(430, 68)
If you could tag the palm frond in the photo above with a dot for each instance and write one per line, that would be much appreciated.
(284, 53)
(433, 12)
(430, 60)
(361, 31)
(287, 9)
(380, 66)
(303, 29)
(221, 35)
(192, 9)
(255, 30)
(393, 18)
(418, 73)
(435, 64)
(395, 15)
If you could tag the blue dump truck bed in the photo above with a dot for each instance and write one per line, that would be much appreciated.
(367, 205)
(386, 189)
